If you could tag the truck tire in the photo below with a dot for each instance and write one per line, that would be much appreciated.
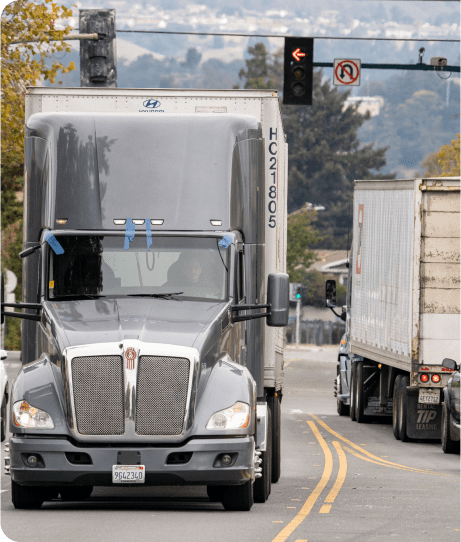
(359, 394)
(276, 405)
(262, 486)
(395, 407)
(341, 408)
(448, 446)
(3, 422)
(75, 493)
(352, 388)
(238, 498)
(27, 497)
(403, 409)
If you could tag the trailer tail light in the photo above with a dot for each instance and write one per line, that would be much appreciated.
(435, 379)
(156, 221)
(424, 377)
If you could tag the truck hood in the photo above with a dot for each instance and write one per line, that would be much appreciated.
(147, 319)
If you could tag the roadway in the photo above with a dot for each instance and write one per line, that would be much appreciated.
(340, 481)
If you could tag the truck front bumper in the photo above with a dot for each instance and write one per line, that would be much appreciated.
(200, 469)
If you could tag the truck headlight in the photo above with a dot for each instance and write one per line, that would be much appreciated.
(29, 417)
(234, 417)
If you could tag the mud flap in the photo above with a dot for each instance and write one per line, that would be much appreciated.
(423, 420)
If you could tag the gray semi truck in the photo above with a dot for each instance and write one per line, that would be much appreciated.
(154, 294)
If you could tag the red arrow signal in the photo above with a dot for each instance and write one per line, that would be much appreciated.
(297, 54)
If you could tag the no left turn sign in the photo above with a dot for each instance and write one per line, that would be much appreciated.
(346, 72)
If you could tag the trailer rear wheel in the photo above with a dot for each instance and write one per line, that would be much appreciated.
(276, 437)
(359, 394)
(238, 498)
(403, 409)
(27, 497)
(395, 407)
(262, 486)
(448, 446)
(353, 385)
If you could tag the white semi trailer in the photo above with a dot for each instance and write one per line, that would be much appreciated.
(403, 308)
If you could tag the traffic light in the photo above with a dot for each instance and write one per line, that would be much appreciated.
(298, 71)
(299, 292)
(98, 57)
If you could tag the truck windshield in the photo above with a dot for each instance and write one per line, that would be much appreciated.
(190, 268)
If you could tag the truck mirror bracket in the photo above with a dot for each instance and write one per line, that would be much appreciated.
(236, 308)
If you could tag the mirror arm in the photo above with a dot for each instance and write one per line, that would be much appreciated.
(248, 307)
(29, 251)
(249, 317)
(335, 313)
(22, 315)
(242, 307)
(37, 306)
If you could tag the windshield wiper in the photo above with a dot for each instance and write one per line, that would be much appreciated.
(77, 296)
(167, 295)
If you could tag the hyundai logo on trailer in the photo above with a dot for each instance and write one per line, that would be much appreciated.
(151, 104)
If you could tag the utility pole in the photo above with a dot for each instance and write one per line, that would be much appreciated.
(298, 313)
(98, 59)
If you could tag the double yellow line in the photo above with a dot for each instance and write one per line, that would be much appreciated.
(328, 468)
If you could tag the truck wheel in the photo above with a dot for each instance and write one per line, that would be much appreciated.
(262, 486)
(75, 493)
(238, 498)
(448, 446)
(353, 385)
(276, 405)
(395, 407)
(342, 409)
(3, 423)
(359, 394)
(403, 410)
(27, 497)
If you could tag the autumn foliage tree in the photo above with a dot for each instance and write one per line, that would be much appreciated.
(29, 38)
(444, 162)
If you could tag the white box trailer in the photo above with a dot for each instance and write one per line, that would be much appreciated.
(262, 104)
(404, 300)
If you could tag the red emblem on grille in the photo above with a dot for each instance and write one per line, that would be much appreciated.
(130, 355)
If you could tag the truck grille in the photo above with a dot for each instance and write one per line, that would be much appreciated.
(162, 388)
(98, 395)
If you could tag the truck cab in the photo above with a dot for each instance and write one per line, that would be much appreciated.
(147, 303)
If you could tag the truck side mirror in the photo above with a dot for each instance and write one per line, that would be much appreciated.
(330, 293)
(278, 286)
(450, 364)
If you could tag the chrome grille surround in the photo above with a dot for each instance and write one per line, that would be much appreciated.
(98, 395)
(130, 382)
(161, 395)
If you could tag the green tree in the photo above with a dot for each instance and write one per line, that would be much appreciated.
(300, 235)
(27, 31)
(261, 69)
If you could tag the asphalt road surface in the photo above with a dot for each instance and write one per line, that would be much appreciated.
(340, 481)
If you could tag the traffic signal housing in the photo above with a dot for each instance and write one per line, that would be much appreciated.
(299, 292)
(98, 59)
(298, 71)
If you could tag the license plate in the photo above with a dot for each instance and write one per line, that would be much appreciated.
(429, 396)
(128, 474)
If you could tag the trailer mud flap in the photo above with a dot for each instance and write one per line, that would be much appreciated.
(423, 420)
